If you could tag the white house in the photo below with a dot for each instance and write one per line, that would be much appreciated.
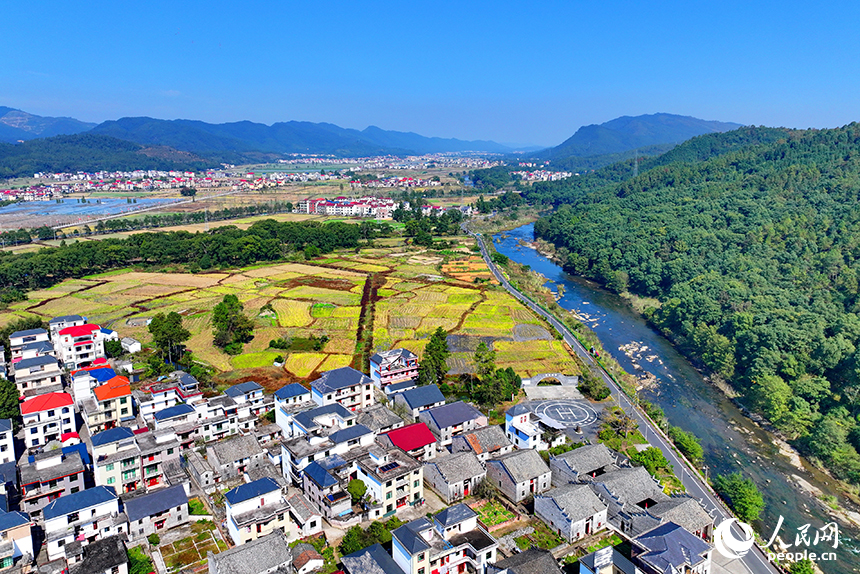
(7, 442)
(84, 517)
(80, 345)
(17, 535)
(255, 509)
(572, 510)
(47, 417)
(519, 474)
(350, 388)
(287, 399)
(527, 430)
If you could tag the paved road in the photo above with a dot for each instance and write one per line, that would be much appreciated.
(755, 561)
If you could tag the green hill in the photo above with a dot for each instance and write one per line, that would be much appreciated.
(751, 242)
(16, 125)
(89, 152)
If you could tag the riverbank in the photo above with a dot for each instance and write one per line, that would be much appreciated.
(732, 441)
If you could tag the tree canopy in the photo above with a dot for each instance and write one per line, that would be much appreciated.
(232, 327)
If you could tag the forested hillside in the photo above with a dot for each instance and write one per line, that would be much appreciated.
(89, 152)
(751, 241)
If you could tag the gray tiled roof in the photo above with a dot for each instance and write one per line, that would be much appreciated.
(522, 465)
(453, 414)
(371, 560)
(458, 467)
(532, 561)
(236, 448)
(102, 555)
(578, 501)
(487, 439)
(341, 378)
(670, 547)
(302, 507)
(378, 417)
(455, 515)
(264, 554)
(157, 501)
(631, 485)
(683, 510)
(588, 458)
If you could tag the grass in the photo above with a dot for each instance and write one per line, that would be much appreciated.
(191, 551)
(303, 364)
(196, 506)
(493, 513)
(253, 360)
(543, 537)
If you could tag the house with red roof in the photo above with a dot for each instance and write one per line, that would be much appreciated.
(108, 404)
(78, 346)
(47, 417)
(416, 440)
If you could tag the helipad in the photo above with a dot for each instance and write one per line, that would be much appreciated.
(568, 413)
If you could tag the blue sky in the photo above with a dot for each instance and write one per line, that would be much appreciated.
(521, 72)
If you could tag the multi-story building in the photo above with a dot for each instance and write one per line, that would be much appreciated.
(248, 393)
(80, 345)
(47, 476)
(393, 479)
(153, 512)
(419, 399)
(394, 366)
(453, 542)
(117, 459)
(454, 476)
(7, 442)
(20, 339)
(235, 456)
(86, 379)
(298, 452)
(82, 518)
(345, 386)
(452, 419)
(16, 533)
(47, 417)
(179, 388)
(289, 400)
(57, 324)
(157, 450)
(416, 440)
(109, 404)
(526, 430)
(37, 375)
(33, 350)
(255, 509)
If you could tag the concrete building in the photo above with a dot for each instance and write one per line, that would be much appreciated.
(117, 459)
(416, 440)
(256, 509)
(394, 366)
(106, 556)
(527, 430)
(158, 449)
(670, 548)
(371, 560)
(20, 339)
(345, 386)
(130, 345)
(78, 346)
(248, 393)
(80, 519)
(393, 479)
(235, 456)
(419, 399)
(572, 510)
(453, 419)
(266, 555)
(156, 511)
(109, 405)
(57, 324)
(607, 561)
(531, 561)
(289, 399)
(485, 443)
(454, 476)
(519, 474)
(453, 542)
(16, 539)
(37, 375)
(47, 417)
(47, 476)
(307, 519)
(7, 442)
(379, 419)
(306, 559)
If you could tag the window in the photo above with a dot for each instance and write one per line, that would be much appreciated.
(421, 570)
(489, 555)
(387, 496)
(124, 411)
(170, 451)
(109, 467)
(415, 484)
(421, 557)
(123, 400)
(72, 517)
(111, 480)
(74, 490)
(313, 524)
(34, 430)
(51, 413)
(73, 478)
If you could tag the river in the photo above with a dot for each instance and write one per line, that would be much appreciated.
(730, 440)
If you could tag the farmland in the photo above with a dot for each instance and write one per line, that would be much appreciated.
(414, 292)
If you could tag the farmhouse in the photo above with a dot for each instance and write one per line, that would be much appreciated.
(416, 440)
(379, 418)
(47, 417)
(453, 419)
(454, 476)
(17, 535)
(527, 430)
(37, 375)
(345, 386)
(49, 475)
(485, 443)
(267, 554)
(590, 460)
(82, 518)
(519, 474)
(289, 399)
(235, 456)
(670, 548)
(20, 339)
(107, 555)
(7, 442)
(156, 511)
(371, 560)
(255, 509)
(419, 399)
(574, 511)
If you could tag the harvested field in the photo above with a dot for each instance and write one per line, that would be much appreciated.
(303, 364)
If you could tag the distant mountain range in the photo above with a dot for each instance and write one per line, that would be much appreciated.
(192, 142)
(16, 125)
(651, 134)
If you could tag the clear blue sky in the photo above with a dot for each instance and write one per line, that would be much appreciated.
(522, 72)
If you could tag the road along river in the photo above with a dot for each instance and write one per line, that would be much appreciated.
(730, 440)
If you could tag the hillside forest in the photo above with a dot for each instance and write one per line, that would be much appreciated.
(750, 240)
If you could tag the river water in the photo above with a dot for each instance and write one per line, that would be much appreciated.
(731, 441)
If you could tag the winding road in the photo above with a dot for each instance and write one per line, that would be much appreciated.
(755, 562)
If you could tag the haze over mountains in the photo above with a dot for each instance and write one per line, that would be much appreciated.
(197, 142)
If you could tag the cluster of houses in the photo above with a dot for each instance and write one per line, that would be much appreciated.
(376, 207)
(543, 175)
(103, 467)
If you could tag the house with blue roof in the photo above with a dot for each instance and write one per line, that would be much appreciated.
(290, 400)
(7, 443)
(177, 414)
(324, 441)
(84, 517)
(371, 560)
(257, 508)
(19, 339)
(345, 386)
(117, 459)
(671, 548)
(453, 540)
(395, 388)
(321, 418)
(323, 488)
(156, 511)
(37, 375)
(251, 394)
(57, 324)
(452, 419)
(419, 399)
(16, 532)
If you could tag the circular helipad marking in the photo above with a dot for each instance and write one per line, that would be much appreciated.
(569, 413)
